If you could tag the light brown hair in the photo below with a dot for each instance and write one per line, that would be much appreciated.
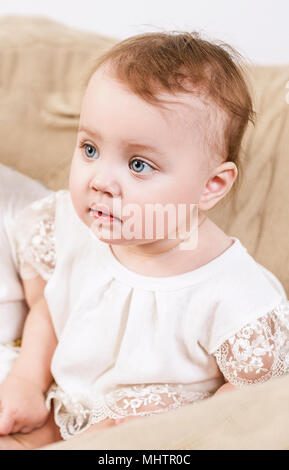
(164, 61)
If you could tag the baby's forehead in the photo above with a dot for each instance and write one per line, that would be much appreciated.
(180, 104)
(193, 112)
(194, 101)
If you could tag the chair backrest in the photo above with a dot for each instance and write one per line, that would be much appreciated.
(42, 66)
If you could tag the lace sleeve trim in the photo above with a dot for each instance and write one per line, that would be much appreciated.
(75, 414)
(35, 244)
(259, 351)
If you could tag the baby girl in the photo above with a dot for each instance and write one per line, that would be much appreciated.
(137, 322)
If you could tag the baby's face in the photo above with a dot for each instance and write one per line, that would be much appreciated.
(131, 152)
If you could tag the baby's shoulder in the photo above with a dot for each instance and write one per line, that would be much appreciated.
(238, 269)
(32, 238)
(50, 211)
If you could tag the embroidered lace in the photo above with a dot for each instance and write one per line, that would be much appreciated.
(74, 414)
(259, 351)
(36, 250)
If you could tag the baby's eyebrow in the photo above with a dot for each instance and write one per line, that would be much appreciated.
(131, 144)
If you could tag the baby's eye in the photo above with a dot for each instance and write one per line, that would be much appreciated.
(139, 166)
(89, 151)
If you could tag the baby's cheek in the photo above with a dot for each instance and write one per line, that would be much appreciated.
(72, 174)
(80, 205)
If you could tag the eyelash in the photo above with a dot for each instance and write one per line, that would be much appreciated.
(83, 144)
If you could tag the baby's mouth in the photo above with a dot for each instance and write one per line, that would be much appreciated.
(99, 215)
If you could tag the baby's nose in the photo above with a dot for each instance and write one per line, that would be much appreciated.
(105, 185)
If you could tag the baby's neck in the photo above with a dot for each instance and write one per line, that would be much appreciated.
(212, 241)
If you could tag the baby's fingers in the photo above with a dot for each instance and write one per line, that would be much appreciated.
(6, 423)
(30, 428)
(25, 429)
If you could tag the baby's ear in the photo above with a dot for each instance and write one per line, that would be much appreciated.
(218, 185)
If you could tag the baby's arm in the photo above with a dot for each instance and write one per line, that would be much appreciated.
(33, 289)
(22, 394)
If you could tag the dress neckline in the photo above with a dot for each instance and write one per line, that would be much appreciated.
(195, 276)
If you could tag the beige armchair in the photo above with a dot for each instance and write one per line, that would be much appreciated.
(43, 67)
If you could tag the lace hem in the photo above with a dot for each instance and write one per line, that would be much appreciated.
(74, 414)
(259, 351)
(34, 231)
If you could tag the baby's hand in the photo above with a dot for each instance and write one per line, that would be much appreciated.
(22, 406)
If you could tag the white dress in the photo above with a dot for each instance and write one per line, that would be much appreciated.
(137, 345)
(16, 191)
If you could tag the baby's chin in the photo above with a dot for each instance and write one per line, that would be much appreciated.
(107, 232)
(112, 236)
